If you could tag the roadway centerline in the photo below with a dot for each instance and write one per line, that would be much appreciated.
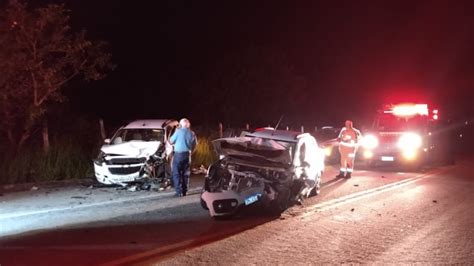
(313, 209)
(169, 249)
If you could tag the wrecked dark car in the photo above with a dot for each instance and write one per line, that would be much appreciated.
(273, 167)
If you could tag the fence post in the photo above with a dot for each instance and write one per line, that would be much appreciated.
(102, 129)
(45, 134)
(247, 127)
(221, 130)
(302, 129)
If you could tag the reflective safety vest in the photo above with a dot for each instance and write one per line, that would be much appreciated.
(349, 137)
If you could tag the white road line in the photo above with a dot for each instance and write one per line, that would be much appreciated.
(312, 210)
(96, 204)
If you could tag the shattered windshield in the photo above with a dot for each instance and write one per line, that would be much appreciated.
(389, 122)
(138, 134)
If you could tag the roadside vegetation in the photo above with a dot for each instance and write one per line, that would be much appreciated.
(71, 153)
(66, 159)
(204, 154)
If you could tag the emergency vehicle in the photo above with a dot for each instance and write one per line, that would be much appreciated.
(402, 133)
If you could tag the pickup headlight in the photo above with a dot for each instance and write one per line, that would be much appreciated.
(370, 142)
(409, 143)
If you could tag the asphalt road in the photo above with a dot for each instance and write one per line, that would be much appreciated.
(378, 216)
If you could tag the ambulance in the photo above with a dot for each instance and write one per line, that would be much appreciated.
(404, 133)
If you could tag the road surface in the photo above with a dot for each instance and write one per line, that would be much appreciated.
(378, 216)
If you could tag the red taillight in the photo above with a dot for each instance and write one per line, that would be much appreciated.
(435, 114)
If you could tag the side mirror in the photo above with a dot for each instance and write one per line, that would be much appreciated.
(107, 141)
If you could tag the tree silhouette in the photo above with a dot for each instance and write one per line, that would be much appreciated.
(40, 54)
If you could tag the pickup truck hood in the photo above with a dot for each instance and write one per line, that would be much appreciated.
(132, 148)
(251, 147)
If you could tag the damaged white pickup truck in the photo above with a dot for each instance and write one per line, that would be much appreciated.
(137, 152)
(273, 167)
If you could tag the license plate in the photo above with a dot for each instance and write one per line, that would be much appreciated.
(251, 199)
(387, 158)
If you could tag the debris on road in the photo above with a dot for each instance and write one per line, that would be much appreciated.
(78, 197)
(34, 188)
(148, 184)
(353, 209)
(199, 171)
(435, 201)
(132, 188)
(383, 176)
(356, 185)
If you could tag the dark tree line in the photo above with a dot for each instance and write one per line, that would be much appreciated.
(40, 56)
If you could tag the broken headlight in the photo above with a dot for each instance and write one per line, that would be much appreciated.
(100, 158)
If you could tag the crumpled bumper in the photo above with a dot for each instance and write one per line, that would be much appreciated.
(104, 175)
(228, 202)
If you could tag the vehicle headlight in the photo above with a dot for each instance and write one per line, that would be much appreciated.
(100, 158)
(409, 141)
(370, 142)
(368, 154)
(328, 151)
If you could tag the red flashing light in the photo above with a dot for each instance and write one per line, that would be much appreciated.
(435, 111)
(435, 117)
(409, 109)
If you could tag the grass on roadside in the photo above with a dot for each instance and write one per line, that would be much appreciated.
(65, 160)
(68, 159)
(204, 153)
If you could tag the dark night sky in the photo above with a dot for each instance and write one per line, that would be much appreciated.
(353, 54)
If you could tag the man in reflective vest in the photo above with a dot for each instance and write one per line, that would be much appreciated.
(348, 139)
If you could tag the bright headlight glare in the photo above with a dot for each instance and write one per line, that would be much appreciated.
(409, 154)
(328, 151)
(370, 142)
(409, 141)
(368, 154)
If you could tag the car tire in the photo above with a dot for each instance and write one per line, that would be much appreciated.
(282, 202)
(204, 205)
(317, 188)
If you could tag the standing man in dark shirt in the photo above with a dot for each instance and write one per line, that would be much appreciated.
(184, 141)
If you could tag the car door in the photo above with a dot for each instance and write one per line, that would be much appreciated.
(308, 158)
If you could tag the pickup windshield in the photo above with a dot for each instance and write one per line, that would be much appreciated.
(389, 122)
